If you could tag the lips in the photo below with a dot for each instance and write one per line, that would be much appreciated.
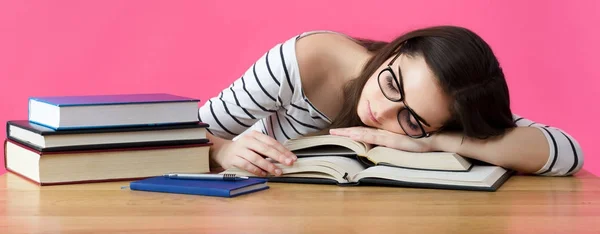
(371, 116)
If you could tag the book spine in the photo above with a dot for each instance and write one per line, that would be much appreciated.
(7, 128)
(5, 164)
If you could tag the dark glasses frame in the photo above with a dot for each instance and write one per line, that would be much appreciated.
(411, 112)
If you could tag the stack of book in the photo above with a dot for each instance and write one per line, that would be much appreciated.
(80, 139)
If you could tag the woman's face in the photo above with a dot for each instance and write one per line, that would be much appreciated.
(421, 92)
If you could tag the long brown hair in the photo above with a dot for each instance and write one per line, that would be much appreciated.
(467, 71)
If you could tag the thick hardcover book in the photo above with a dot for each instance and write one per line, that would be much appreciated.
(85, 166)
(200, 187)
(348, 171)
(102, 111)
(46, 139)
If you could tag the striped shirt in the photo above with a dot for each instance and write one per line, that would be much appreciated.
(269, 98)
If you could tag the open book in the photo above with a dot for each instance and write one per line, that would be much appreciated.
(370, 155)
(340, 160)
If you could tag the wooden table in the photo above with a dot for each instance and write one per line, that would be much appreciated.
(524, 204)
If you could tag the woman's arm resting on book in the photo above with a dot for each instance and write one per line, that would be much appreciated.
(523, 149)
(530, 148)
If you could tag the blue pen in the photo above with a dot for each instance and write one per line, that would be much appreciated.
(226, 177)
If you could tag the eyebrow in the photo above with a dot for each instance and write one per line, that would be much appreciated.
(419, 118)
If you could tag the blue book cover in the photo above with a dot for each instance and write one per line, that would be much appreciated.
(88, 100)
(216, 188)
(111, 111)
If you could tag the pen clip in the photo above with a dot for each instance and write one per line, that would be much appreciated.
(229, 177)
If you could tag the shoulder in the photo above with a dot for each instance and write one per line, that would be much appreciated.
(325, 46)
(324, 42)
(323, 55)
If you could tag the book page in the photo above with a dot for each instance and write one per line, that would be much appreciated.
(310, 171)
(330, 167)
(325, 150)
(478, 175)
(443, 161)
(323, 140)
(333, 165)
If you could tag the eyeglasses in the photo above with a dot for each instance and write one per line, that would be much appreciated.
(392, 89)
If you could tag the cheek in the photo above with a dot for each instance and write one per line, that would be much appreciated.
(371, 89)
(370, 94)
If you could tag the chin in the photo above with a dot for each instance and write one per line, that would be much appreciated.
(365, 122)
(364, 117)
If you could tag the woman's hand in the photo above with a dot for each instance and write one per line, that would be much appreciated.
(386, 138)
(247, 153)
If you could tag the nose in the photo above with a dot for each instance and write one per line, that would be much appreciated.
(387, 110)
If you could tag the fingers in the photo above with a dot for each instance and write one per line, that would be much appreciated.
(271, 148)
(250, 152)
(373, 137)
(261, 162)
(244, 164)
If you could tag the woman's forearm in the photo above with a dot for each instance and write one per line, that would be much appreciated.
(217, 145)
(524, 149)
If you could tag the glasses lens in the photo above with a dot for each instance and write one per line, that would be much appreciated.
(409, 123)
(389, 86)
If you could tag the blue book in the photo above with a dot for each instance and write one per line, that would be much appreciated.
(105, 111)
(200, 187)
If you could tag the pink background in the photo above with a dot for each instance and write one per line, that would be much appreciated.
(548, 49)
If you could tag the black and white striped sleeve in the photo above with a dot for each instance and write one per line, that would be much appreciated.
(566, 156)
(255, 95)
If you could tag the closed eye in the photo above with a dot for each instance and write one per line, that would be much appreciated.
(411, 122)
(391, 85)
